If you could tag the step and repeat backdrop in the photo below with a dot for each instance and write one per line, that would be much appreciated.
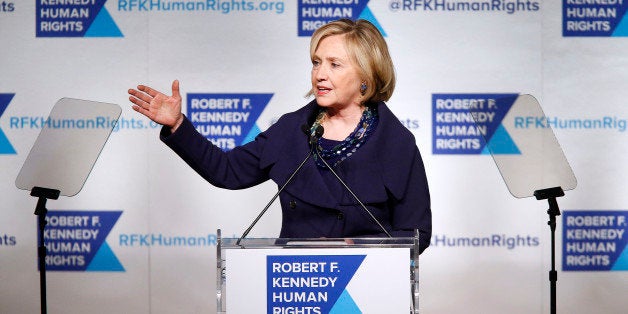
(141, 235)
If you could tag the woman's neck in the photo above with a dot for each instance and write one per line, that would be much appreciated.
(338, 124)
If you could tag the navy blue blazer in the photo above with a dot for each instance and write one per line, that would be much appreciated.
(386, 173)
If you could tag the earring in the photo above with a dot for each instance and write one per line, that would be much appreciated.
(363, 88)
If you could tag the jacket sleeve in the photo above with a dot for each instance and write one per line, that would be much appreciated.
(235, 169)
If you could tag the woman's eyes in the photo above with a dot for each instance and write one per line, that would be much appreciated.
(317, 63)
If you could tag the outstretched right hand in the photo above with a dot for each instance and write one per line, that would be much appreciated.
(162, 109)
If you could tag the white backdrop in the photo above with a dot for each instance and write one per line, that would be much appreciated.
(458, 48)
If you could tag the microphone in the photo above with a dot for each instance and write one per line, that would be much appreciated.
(314, 135)
(313, 140)
(346, 186)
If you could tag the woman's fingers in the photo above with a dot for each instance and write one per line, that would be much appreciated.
(148, 90)
(139, 98)
(140, 109)
(175, 89)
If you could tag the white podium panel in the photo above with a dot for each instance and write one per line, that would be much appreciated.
(318, 280)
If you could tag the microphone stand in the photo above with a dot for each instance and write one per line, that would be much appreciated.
(314, 136)
(313, 140)
(246, 232)
(352, 194)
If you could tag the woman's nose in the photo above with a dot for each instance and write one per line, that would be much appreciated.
(320, 73)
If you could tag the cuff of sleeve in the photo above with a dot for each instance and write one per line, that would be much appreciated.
(165, 135)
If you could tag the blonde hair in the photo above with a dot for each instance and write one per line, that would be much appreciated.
(368, 50)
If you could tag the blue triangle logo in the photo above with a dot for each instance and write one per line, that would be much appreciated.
(5, 145)
(622, 28)
(105, 260)
(368, 15)
(622, 261)
(345, 305)
(501, 143)
(103, 26)
(255, 130)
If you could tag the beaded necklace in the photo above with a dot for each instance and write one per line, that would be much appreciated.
(338, 153)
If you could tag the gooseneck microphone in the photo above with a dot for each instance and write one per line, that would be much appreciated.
(313, 141)
(347, 187)
(315, 136)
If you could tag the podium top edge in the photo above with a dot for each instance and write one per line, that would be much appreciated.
(251, 243)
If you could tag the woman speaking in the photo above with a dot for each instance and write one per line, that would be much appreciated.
(361, 140)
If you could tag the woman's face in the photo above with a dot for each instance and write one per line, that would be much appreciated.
(335, 79)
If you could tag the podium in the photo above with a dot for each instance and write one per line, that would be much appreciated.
(285, 276)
